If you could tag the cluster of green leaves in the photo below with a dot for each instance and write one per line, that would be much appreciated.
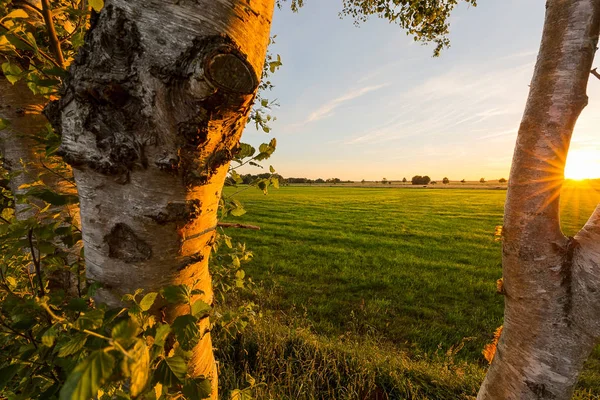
(247, 155)
(426, 21)
(57, 343)
(261, 112)
(230, 282)
(37, 50)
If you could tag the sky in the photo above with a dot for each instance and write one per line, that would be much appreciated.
(368, 102)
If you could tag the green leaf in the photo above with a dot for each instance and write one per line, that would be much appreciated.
(170, 371)
(236, 177)
(176, 294)
(77, 304)
(186, 330)
(245, 151)
(91, 319)
(4, 123)
(271, 169)
(162, 330)
(148, 300)
(72, 346)
(12, 282)
(7, 373)
(198, 388)
(16, 14)
(275, 182)
(51, 197)
(49, 336)
(200, 308)
(97, 5)
(137, 367)
(125, 330)
(85, 380)
(238, 211)
(56, 71)
(12, 72)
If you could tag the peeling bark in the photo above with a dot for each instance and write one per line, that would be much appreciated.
(551, 282)
(150, 118)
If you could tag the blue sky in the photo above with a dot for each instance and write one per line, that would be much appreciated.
(368, 102)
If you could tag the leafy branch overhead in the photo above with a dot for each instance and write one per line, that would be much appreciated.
(426, 21)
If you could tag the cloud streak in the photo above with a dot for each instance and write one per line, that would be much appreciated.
(328, 108)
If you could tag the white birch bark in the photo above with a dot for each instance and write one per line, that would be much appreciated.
(150, 118)
(551, 282)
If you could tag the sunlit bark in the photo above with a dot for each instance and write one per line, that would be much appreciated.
(551, 282)
(150, 118)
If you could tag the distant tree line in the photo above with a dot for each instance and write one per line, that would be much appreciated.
(249, 178)
(416, 180)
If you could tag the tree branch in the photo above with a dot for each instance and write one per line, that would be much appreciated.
(595, 73)
(36, 263)
(591, 229)
(52, 36)
(242, 226)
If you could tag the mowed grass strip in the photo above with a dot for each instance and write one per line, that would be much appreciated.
(416, 268)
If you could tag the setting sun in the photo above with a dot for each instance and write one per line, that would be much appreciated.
(582, 164)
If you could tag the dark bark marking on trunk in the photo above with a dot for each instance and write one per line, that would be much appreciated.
(52, 111)
(540, 391)
(181, 213)
(231, 72)
(566, 273)
(105, 82)
(209, 85)
(125, 245)
(190, 261)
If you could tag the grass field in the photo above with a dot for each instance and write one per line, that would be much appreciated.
(411, 269)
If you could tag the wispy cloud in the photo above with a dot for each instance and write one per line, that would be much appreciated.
(463, 102)
(328, 108)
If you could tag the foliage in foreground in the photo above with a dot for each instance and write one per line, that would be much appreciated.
(57, 343)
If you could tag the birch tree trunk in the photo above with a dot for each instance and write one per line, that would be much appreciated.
(23, 110)
(551, 282)
(150, 119)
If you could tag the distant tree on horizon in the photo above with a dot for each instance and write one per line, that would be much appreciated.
(445, 181)
(502, 180)
(384, 181)
(463, 181)
(420, 180)
(482, 180)
(404, 180)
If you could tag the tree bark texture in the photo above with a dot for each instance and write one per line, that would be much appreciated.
(19, 149)
(150, 118)
(552, 282)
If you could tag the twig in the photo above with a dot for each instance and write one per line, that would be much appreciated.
(60, 176)
(36, 263)
(8, 289)
(242, 226)
(4, 324)
(595, 73)
(52, 36)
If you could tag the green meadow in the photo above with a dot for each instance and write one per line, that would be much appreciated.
(411, 271)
